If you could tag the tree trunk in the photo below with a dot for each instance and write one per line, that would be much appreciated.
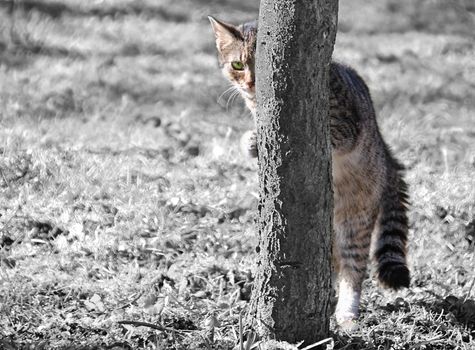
(292, 291)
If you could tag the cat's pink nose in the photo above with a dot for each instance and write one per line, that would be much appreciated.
(250, 84)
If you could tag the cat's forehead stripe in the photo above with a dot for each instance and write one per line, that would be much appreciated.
(248, 28)
(249, 32)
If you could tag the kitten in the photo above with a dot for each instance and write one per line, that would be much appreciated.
(370, 195)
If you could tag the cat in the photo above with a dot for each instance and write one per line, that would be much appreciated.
(370, 195)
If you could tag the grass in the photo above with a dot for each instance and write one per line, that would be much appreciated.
(124, 196)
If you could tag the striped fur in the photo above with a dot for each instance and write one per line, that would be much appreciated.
(391, 248)
(370, 194)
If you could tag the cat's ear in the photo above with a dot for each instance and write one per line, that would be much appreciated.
(225, 33)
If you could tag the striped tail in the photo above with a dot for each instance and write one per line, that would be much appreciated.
(391, 246)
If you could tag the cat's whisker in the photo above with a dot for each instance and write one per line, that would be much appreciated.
(228, 90)
(235, 96)
(222, 94)
(229, 99)
(232, 98)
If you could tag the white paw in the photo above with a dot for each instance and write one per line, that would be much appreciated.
(347, 308)
(346, 319)
(249, 143)
(344, 316)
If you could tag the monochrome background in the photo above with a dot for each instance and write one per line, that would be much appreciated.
(124, 195)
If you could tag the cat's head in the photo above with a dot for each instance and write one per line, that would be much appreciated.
(236, 53)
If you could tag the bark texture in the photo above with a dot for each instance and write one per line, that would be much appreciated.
(291, 296)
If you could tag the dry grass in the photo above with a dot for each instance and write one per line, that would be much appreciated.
(124, 196)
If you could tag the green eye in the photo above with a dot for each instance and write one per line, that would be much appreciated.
(237, 65)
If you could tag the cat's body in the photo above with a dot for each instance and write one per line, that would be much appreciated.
(369, 193)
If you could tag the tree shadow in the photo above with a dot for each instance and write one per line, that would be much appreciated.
(462, 309)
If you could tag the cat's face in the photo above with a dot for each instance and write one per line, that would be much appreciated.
(236, 53)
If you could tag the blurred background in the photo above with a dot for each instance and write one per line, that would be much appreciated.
(124, 196)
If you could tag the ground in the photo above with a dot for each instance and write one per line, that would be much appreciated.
(125, 198)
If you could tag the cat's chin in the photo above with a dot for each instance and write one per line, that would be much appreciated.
(250, 98)
(251, 104)
(248, 95)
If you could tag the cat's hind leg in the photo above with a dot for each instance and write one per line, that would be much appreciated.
(353, 241)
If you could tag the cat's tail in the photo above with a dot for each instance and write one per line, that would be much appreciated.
(391, 245)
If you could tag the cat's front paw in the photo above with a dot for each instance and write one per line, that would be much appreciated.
(346, 320)
(249, 143)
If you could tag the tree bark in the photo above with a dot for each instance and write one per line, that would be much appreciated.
(292, 291)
